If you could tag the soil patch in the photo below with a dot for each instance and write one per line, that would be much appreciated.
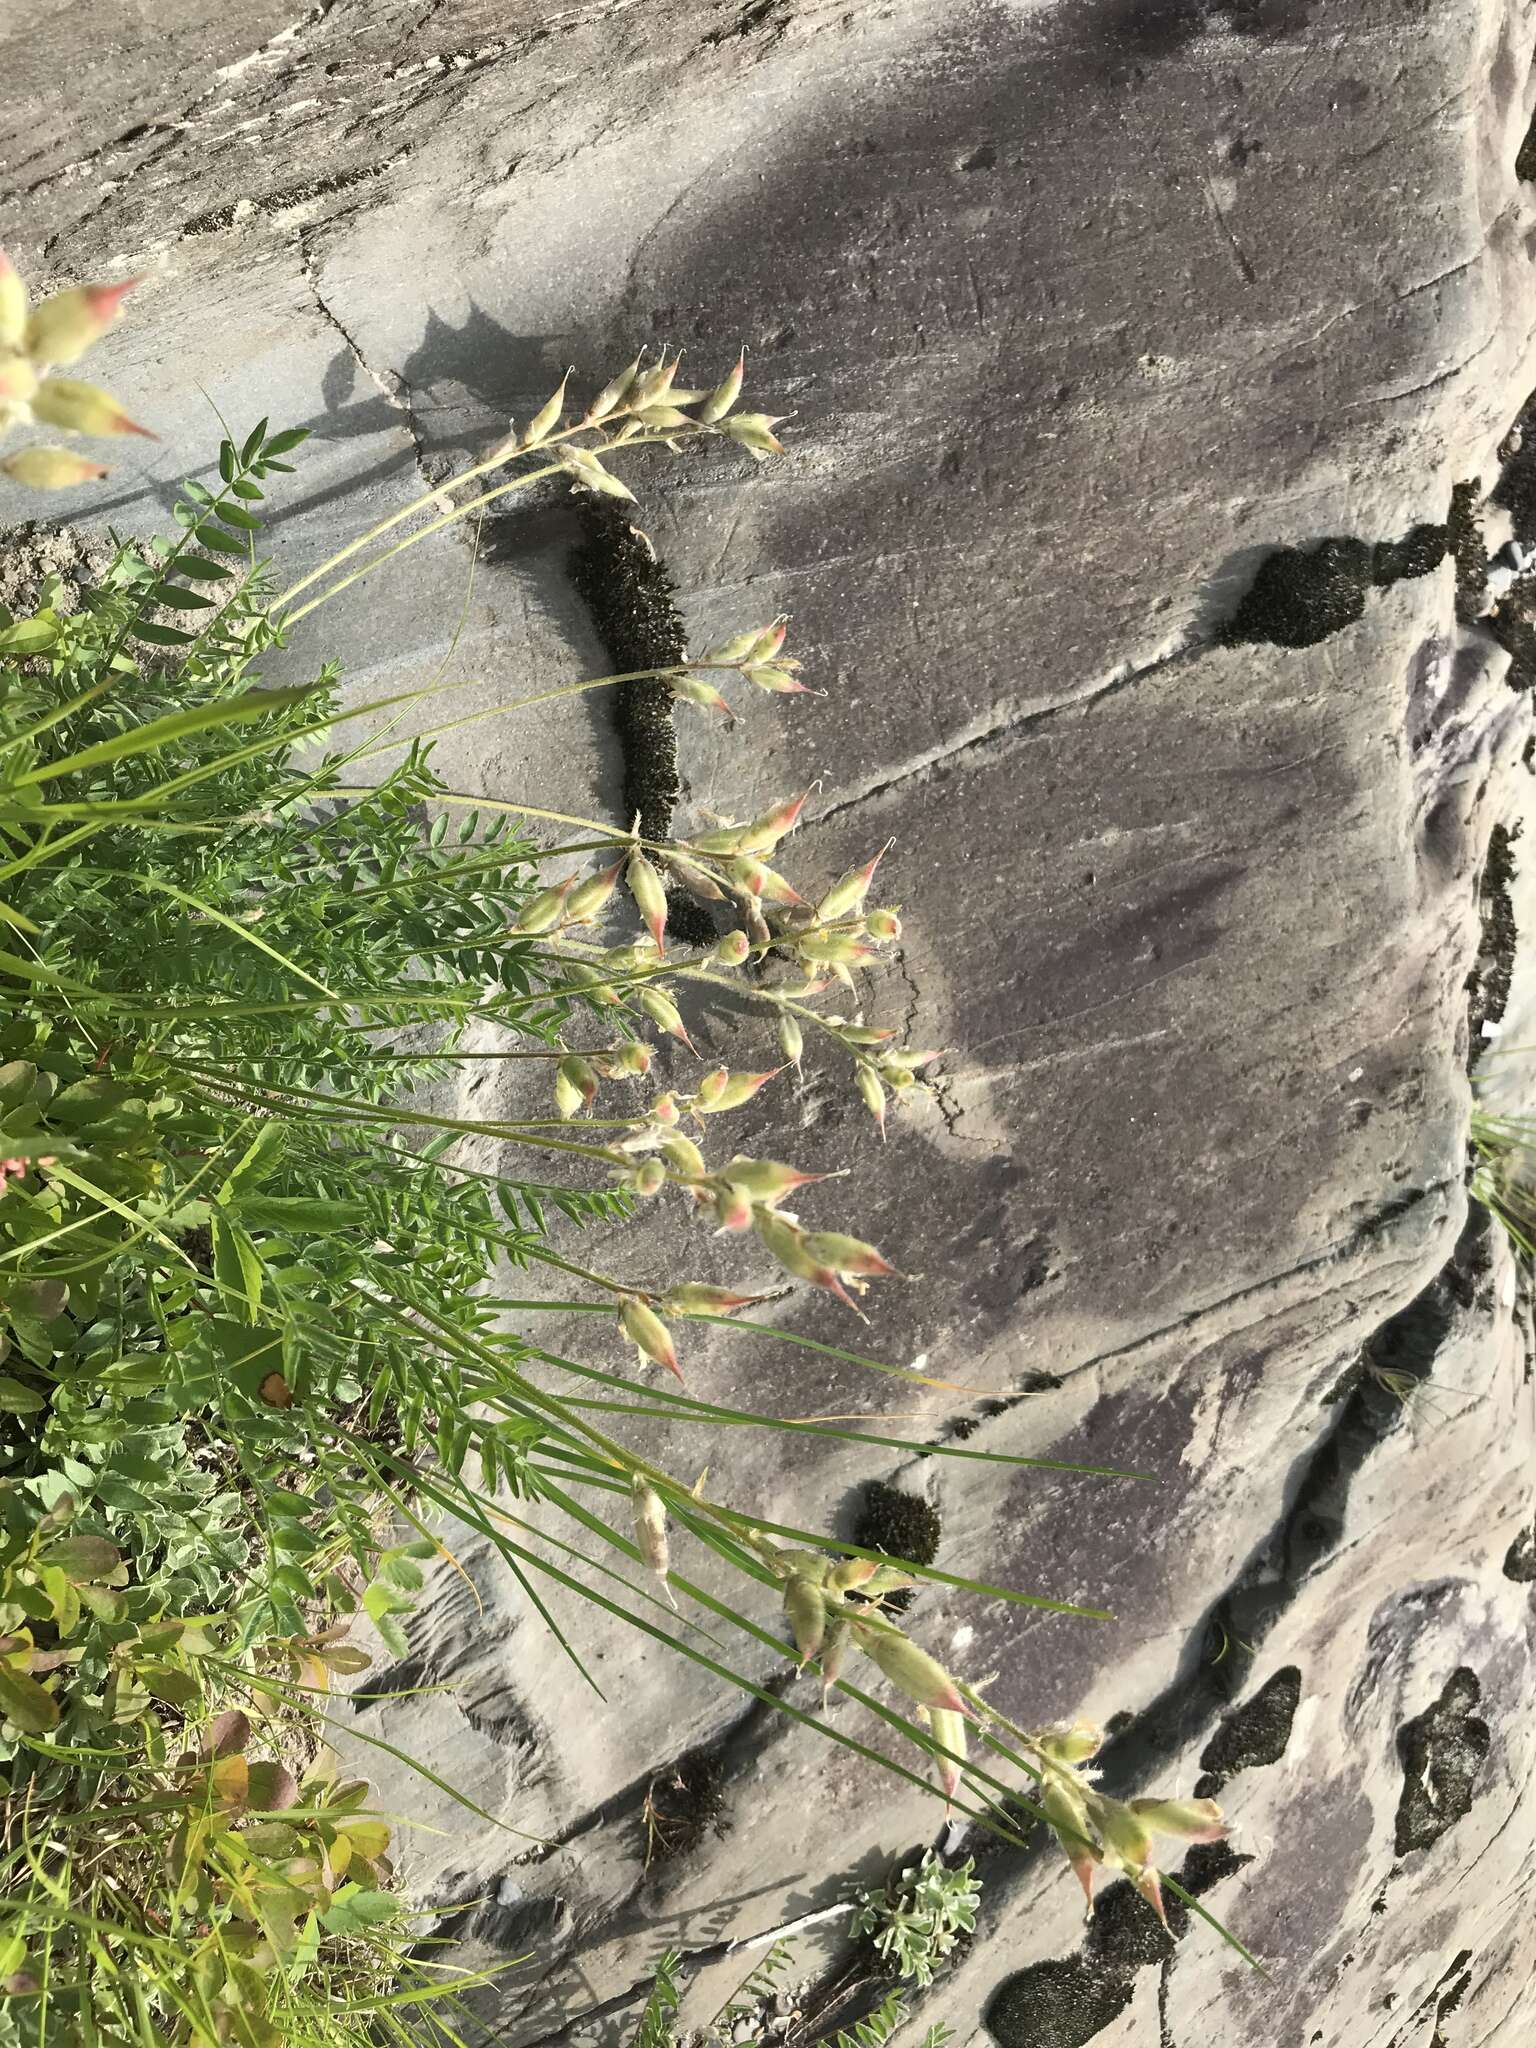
(32, 552)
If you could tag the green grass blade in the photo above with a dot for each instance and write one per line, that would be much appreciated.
(162, 732)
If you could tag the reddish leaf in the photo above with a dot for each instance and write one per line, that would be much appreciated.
(228, 1733)
(272, 1786)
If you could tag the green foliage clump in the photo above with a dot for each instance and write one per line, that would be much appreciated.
(216, 1262)
(915, 1921)
(252, 1348)
(247, 1319)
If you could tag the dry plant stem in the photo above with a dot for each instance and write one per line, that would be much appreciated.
(457, 512)
(521, 483)
(344, 1113)
(611, 833)
(616, 1454)
(522, 704)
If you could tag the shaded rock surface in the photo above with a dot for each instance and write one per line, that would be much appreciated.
(1082, 311)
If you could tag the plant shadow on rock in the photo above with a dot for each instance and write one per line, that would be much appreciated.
(1116, 38)
(1488, 982)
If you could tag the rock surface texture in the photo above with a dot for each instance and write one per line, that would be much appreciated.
(1082, 310)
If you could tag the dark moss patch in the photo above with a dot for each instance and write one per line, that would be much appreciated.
(1525, 156)
(1511, 622)
(1065, 2002)
(902, 1525)
(1300, 596)
(1303, 595)
(1512, 627)
(630, 595)
(1515, 490)
(1256, 1732)
(965, 1426)
(1520, 1558)
(1469, 547)
(1442, 1751)
(985, 1845)
(1420, 550)
(1488, 983)
(1457, 1982)
(1059, 2004)
(683, 1805)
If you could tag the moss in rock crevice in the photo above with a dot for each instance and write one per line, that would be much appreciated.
(1442, 1751)
(1520, 1558)
(905, 1526)
(1469, 549)
(1488, 983)
(630, 595)
(1257, 1732)
(1511, 626)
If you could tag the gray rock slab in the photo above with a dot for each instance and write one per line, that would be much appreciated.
(1079, 312)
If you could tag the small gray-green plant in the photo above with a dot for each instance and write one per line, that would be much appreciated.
(915, 1920)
